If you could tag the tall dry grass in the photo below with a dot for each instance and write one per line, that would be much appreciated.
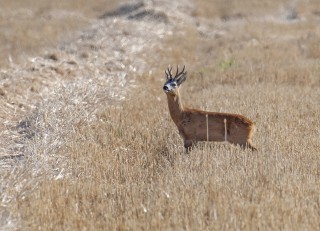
(93, 165)
(129, 171)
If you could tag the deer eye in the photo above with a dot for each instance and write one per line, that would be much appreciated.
(173, 84)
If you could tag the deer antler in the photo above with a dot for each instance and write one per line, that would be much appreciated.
(169, 73)
(177, 72)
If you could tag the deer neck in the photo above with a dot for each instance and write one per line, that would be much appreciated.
(175, 106)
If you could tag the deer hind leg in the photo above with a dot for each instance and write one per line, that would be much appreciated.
(244, 144)
(249, 138)
(250, 145)
(247, 144)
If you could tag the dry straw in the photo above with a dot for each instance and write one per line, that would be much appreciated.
(94, 166)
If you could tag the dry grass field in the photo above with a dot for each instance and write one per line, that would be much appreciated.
(27, 26)
(94, 144)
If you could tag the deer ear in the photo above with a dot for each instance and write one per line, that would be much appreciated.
(182, 78)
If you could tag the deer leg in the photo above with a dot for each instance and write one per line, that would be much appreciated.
(244, 144)
(188, 145)
(247, 145)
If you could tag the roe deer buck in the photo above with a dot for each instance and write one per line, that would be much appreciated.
(197, 125)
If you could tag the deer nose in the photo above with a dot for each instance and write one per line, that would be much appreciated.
(165, 88)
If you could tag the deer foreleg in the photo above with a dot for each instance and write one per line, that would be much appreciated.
(188, 145)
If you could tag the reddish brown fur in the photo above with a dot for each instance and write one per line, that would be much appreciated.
(193, 124)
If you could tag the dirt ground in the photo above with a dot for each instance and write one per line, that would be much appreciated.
(87, 142)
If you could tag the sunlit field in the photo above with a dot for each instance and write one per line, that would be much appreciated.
(88, 143)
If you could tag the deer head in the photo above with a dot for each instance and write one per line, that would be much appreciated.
(172, 83)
